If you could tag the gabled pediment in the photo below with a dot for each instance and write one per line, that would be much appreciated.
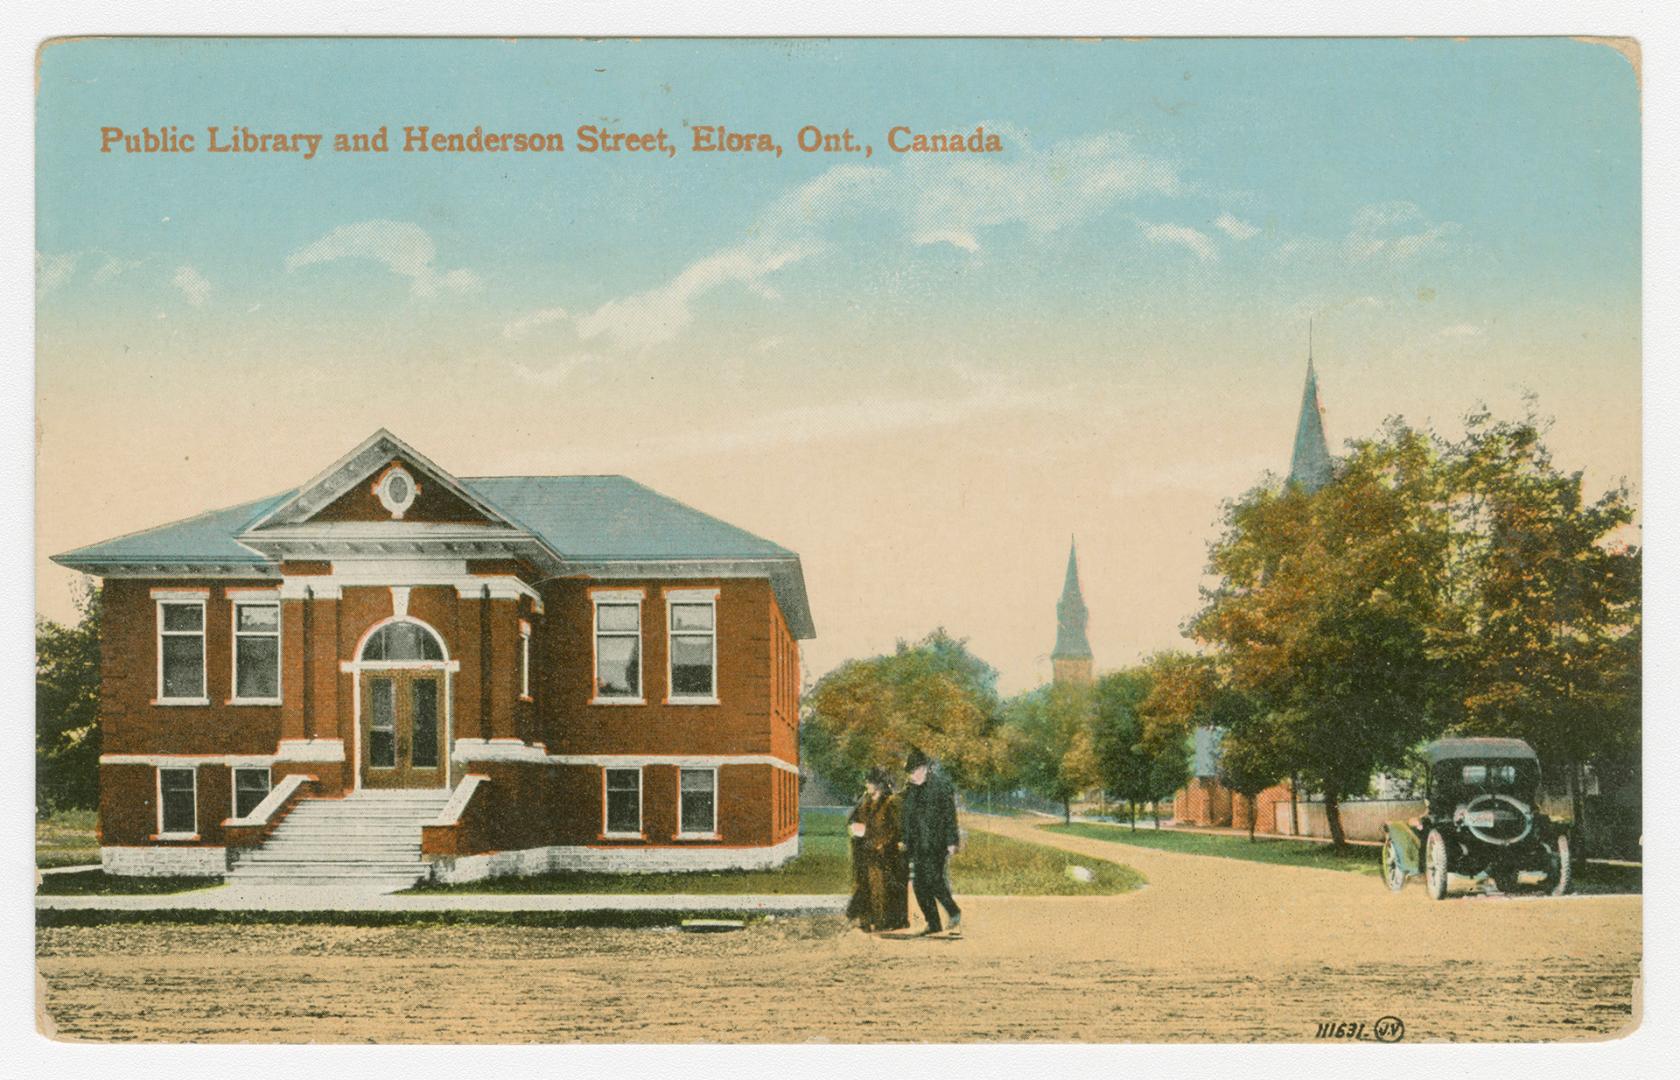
(383, 480)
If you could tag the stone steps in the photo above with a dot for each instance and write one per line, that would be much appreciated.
(369, 839)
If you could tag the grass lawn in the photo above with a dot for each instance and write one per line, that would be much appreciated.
(987, 866)
(1359, 858)
(99, 883)
(66, 838)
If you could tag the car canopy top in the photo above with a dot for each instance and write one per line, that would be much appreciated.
(1456, 749)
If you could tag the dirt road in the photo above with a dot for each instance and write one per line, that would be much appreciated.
(1211, 950)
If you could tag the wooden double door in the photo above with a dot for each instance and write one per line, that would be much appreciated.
(403, 729)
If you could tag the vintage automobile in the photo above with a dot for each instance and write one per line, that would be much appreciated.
(1483, 820)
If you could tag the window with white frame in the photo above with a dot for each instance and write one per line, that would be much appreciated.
(178, 802)
(181, 650)
(256, 651)
(250, 788)
(525, 660)
(697, 809)
(618, 646)
(623, 802)
(692, 619)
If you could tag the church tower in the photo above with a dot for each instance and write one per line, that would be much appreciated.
(1071, 659)
(1309, 466)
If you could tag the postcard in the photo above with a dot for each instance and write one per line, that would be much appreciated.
(838, 540)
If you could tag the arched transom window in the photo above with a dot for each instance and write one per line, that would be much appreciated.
(403, 641)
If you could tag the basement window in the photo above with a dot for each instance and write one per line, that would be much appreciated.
(177, 803)
(624, 802)
(250, 788)
(697, 814)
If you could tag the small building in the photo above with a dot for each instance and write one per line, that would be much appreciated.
(395, 673)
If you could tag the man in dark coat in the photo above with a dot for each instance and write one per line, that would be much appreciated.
(930, 838)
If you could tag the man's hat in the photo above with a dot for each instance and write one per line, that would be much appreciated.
(915, 761)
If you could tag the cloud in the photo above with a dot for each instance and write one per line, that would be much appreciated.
(659, 315)
(957, 238)
(921, 199)
(1461, 330)
(1194, 240)
(1383, 234)
(113, 267)
(51, 271)
(523, 325)
(1235, 227)
(193, 285)
(1394, 232)
(403, 247)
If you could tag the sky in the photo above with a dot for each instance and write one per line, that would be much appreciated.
(924, 373)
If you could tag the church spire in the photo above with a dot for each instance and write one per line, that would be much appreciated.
(1309, 466)
(1071, 659)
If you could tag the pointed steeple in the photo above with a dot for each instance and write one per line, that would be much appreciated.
(1310, 466)
(1071, 615)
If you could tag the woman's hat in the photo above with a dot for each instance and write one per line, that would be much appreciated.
(915, 761)
(879, 777)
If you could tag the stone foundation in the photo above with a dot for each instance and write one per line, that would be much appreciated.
(164, 861)
(456, 869)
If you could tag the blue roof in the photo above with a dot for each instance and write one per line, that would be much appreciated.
(580, 517)
(207, 538)
(613, 517)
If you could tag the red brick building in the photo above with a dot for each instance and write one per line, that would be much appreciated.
(394, 673)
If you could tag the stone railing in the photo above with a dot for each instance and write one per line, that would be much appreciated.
(253, 828)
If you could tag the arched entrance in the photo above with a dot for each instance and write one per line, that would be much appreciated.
(403, 670)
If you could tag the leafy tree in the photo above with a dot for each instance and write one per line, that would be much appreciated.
(1249, 761)
(933, 694)
(1327, 611)
(1546, 629)
(1124, 762)
(67, 709)
(1141, 757)
(1048, 732)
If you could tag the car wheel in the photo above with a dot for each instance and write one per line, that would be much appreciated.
(1393, 872)
(1435, 868)
(1565, 876)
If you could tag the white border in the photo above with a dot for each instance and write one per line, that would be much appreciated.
(1654, 24)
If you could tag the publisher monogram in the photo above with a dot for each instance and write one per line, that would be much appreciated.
(1388, 1029)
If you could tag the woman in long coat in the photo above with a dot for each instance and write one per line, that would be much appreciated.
(880, 880)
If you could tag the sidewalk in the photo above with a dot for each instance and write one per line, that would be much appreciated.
(244, 898)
